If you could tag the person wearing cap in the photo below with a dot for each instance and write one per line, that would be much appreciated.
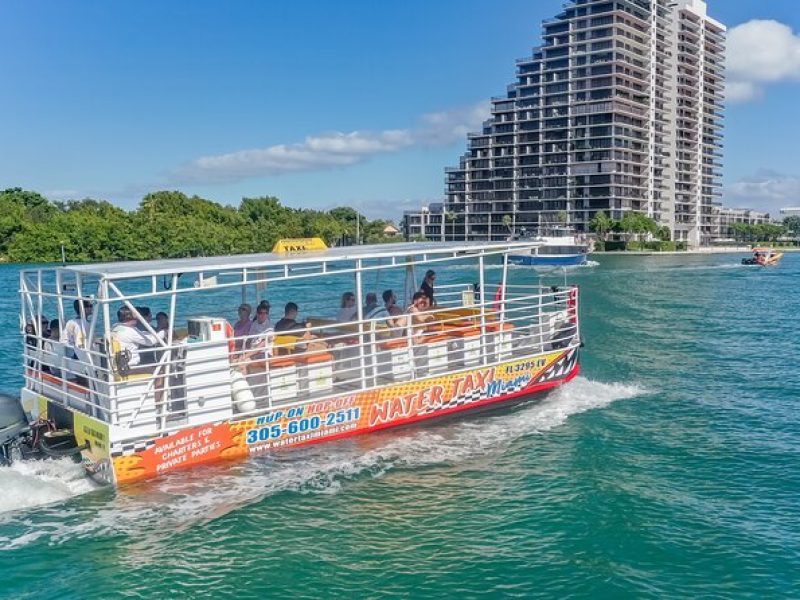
(242, 327)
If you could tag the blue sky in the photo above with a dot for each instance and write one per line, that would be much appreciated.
(319, 103)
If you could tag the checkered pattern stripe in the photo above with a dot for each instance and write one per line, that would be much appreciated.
(561, 368)
(131, 448)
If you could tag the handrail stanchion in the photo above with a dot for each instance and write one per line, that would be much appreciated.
(163, 410)
(482, 285)
(503, 282)
(360, 315)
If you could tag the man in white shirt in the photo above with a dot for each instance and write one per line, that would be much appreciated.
(76, 330)
(262, 323)
(132, 339)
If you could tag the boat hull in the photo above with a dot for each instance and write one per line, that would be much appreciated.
(534, 260)
(314, 421)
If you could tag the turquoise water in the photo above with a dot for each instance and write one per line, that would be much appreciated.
(669, 469)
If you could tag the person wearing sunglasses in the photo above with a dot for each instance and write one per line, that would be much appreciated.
(427, 287)
(242, 327)
(419, 315)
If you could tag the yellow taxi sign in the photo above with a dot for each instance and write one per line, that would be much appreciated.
(299, 245)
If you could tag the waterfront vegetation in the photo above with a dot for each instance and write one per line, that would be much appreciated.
(638, 232)
(166, 224)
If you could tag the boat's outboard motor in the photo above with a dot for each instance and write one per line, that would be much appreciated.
(13, 425)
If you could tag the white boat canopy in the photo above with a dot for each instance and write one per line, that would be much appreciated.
(399, 254)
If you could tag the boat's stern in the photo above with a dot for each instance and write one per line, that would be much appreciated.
(92, 436)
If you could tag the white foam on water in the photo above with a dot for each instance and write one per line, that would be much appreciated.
(29, 483)
(178, 501)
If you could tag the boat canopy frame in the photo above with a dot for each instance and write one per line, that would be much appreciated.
(102, 285)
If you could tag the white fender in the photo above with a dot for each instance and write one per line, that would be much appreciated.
(243, 399)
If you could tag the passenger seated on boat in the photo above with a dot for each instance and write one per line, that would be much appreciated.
(147, 316)
(131, 339)
(390, 303)
(396, 320)
(77, 329)
(289, 325)
(289, 320)
(261, 324)
(427, 286)
(348, 308)
(261, 331)
(419, 315)
(51, 349)
(162, 322)
(373, 310)
(242, 327)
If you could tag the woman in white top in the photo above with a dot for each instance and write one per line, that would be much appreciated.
(348, 309)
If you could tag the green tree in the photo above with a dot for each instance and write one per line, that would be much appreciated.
(450, 217)
(167, 224)
(601, 224)
(507, 223)
(638, 224)
(792, 225)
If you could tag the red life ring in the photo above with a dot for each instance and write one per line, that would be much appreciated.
(229, 333)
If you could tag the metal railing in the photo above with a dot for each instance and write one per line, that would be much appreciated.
(194, 381)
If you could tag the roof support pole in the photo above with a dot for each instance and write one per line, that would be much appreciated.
(163, 409)
(482, 286)
(113, 417)
(503, 284)
(360, 314)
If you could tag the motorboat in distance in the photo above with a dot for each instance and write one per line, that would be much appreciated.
(763, 257)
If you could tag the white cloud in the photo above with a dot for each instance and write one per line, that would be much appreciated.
(766, 190)
(760, 52)
(447, 127)
(61, 195)
(331, 150)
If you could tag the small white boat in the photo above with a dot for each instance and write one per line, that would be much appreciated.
(557, 247)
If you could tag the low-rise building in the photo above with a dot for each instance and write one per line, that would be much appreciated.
(428, 222)
(725, 218)
(790, 211)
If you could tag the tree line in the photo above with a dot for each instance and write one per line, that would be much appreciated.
(632, 224)
(638, 224)
(166, 224)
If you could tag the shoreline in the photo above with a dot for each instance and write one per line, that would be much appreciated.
(697, 252)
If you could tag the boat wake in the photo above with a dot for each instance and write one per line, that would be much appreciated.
(181, 500)
(30, 483)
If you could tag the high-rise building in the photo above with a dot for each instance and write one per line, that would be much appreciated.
(619, 110)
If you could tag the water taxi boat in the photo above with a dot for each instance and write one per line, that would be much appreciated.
(558, 247)
(763, 257)
(201, 393)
